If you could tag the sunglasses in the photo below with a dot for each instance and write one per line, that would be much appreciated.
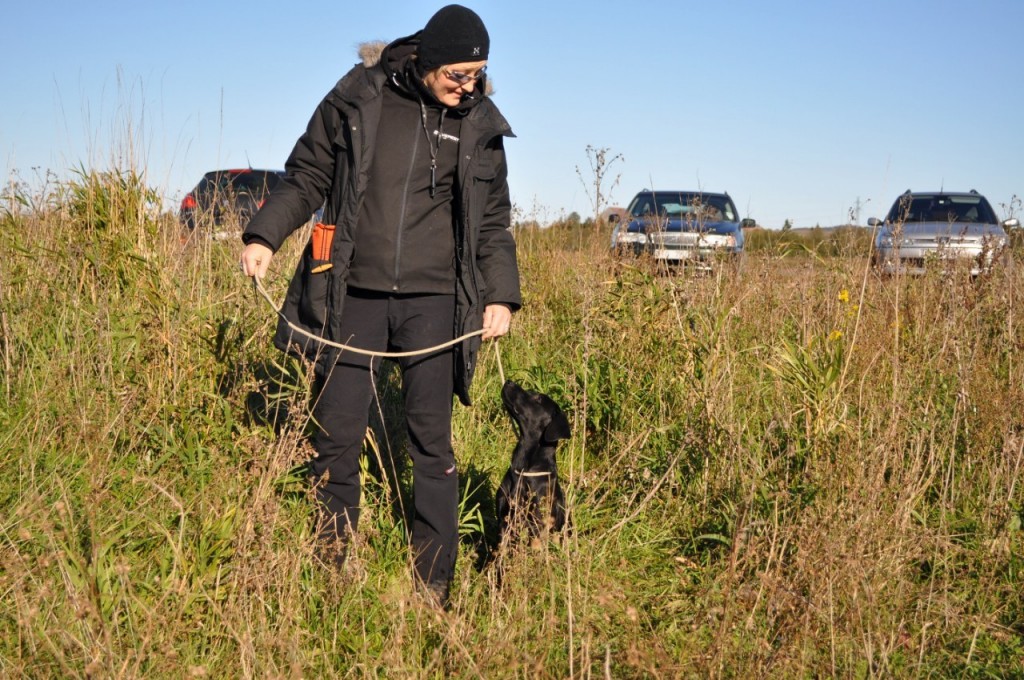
(463, 78)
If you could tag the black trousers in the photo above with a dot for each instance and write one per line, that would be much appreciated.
(379, 321)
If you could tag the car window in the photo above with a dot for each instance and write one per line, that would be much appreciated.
(207, 185)
(688, 205)
(973, 209)
(941, 208)
(726, 209)
(640, 206)
(216, 183)
(255, 182)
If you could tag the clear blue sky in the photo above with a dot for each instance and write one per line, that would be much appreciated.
(797, 109)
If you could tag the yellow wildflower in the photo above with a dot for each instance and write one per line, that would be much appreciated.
(844, 296)
(835, 335)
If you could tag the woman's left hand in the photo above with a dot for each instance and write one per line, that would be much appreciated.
(497, 320)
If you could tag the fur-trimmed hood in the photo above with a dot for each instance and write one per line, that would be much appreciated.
(369, 52)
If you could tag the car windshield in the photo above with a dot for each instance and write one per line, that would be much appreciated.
(941, 208)
(684, 205)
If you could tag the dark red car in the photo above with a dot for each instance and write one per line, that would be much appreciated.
(225, 200)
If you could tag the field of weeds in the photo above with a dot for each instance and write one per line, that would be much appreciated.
(793, 470)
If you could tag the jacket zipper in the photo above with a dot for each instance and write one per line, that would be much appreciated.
(405, 200)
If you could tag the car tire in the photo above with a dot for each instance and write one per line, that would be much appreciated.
(1009, 261)
(739, 263)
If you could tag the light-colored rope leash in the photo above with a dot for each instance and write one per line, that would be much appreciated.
(258, 286)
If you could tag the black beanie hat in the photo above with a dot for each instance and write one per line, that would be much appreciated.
(455, 34)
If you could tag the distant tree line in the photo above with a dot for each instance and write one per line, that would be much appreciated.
(846, 241)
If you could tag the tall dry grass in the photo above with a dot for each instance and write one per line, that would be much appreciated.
(799, 469)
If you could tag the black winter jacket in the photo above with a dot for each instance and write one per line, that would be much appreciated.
(331, 161)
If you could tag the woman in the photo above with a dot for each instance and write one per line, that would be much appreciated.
(407, 150)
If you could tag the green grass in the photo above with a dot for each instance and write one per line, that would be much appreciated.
(796, 470)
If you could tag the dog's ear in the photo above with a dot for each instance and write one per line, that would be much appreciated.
(558, 428)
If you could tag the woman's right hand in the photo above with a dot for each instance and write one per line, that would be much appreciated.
(255, 260)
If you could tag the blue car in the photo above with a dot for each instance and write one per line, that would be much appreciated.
(680, 227)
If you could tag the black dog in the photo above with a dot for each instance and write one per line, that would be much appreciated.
(530, 489)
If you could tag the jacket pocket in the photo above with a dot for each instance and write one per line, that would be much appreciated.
(485, 171)
(313, 298)
(318, 297)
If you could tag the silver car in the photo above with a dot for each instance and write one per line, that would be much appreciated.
(926, 229)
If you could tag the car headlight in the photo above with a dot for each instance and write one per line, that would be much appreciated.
(720, 240)
(630, 237)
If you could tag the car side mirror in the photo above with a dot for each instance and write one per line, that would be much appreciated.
(748, 223)
(1011, 223)
(874, 222)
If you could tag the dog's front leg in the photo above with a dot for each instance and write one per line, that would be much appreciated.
(558, 508)
(503, 504)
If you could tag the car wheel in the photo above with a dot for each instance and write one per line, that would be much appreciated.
(738, 262)
(244, 215)
(1008, 261)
